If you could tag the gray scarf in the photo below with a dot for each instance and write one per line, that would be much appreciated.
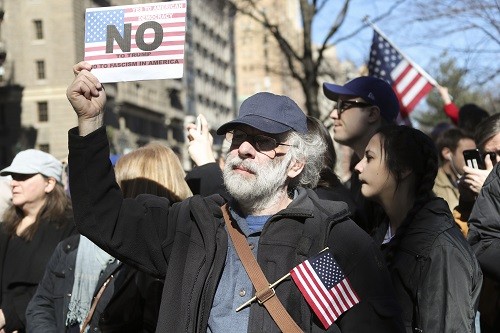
(90, 262)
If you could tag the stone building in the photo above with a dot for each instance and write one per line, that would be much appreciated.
(40, 40)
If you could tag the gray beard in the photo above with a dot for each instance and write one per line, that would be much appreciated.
(261, 191)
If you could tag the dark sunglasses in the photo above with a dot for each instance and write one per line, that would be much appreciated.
(260, 142)
(342, 106)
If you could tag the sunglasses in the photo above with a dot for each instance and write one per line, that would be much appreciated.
(262, 143)
(342, 106)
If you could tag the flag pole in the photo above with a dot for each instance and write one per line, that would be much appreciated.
(271, 286)
(416, 66)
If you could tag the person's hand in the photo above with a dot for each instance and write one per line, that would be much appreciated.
(200, 144)
(475, 178)
(445, 96)
(87, 97)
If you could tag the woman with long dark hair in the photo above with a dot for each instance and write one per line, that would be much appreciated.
(435, 273)
(39, 217)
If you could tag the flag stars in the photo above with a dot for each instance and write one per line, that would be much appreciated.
(99, 20)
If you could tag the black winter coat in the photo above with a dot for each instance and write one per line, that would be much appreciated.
(187, 244)
(45, 240)
(484, 225)
(435, 273)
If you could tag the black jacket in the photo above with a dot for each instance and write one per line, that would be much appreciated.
(187, 244)
(45, 240)
(435, 273)
(484, 225)
(130, 302)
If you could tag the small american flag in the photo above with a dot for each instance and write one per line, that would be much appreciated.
(171, 16)
(325, 287)
(404, 76)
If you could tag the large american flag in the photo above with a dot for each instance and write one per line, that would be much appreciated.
(325, 287)
(171, 16)
(407, 80)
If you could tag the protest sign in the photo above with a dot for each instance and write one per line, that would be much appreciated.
(136, 42)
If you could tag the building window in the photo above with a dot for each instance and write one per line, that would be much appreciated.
(40, 69)
(44, 147)
(38, 29)
(43, 112)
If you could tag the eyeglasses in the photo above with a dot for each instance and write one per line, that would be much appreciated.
(262, 143)
(346, 105)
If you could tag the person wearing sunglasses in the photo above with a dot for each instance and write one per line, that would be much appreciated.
(272, 158)
(361, 107)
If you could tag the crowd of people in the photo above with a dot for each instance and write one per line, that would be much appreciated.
(141, 246)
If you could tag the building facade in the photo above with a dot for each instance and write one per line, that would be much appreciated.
(260, 63)
(40, 41)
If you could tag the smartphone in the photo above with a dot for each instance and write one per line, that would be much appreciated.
(198, 124)
(473, 159)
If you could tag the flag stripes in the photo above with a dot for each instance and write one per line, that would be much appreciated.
(324, 287)
(407, 80)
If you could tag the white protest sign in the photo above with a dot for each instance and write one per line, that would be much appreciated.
(136, 42)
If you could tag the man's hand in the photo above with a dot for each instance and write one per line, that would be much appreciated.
(474, 178)
(86, 95)
(200, 144)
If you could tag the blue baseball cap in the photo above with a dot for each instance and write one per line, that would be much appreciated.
(269, 113)
(372, 89)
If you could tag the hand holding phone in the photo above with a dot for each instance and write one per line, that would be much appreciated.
(473, 159)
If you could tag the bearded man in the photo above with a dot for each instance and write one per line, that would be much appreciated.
(187, 244)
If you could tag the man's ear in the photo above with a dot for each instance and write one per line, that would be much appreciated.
(295, 169)
(373, 114)
(446, 153)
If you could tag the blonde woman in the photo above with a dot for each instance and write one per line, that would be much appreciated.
(153, 168)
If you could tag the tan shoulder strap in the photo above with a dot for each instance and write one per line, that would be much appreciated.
(94, 303)
(265, 294)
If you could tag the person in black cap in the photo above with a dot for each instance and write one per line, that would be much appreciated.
(362, 106)
(271, 157)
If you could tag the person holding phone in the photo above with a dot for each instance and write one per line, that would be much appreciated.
(487, 139)
(450, 145)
